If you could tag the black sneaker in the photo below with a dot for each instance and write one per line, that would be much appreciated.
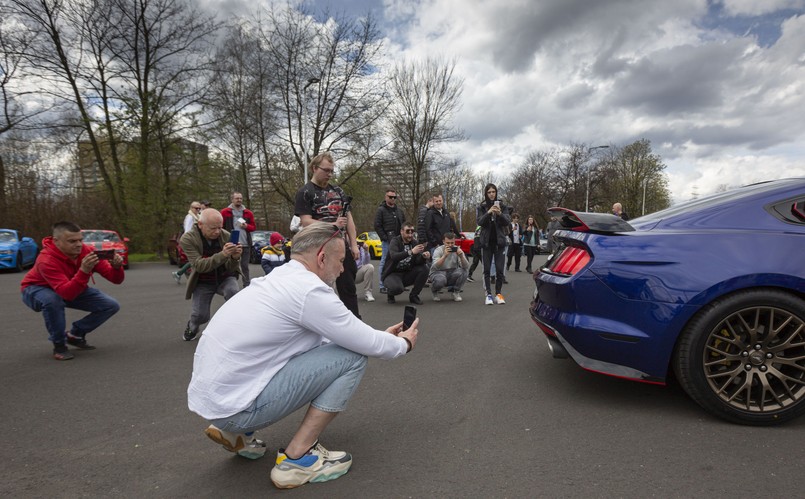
(383, 291)
(60, 352)
(390, 299)
(415, 299)
(470, 279)
(189, 334)
(79, 342)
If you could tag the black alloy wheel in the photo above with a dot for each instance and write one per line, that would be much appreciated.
(742, 357)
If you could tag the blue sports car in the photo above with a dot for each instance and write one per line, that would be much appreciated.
(16, 252)
(712, 290)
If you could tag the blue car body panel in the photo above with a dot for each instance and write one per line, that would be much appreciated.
(11, 245)
(622, 314)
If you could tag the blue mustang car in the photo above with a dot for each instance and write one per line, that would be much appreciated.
(16, 252)
(712, 290)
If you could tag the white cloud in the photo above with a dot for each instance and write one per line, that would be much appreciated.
(719, 108)
(719, 105)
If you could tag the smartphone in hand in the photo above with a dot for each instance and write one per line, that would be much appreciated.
(234, 237)
(408, 316)
(105, 254)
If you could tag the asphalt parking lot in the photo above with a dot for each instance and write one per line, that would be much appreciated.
(479, 409)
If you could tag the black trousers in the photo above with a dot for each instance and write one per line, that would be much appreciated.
(487, 255)
(396, 282)
(530, 251)
(345, 284)
(515, 250)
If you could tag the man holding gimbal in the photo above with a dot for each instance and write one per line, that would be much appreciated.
(318, 200)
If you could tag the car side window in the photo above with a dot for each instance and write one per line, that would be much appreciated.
(791, 210)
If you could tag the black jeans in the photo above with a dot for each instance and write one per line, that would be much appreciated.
(515, 250)
(530, 251)
(396, 282)
(345, 284)
(499, 257)
(476, 258)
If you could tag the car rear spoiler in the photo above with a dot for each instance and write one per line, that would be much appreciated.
(605, 223)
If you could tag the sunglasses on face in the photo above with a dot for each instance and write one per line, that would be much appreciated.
(336, 233)
(392, 197)
(409, 231)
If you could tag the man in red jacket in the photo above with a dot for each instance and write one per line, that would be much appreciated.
(238, 217)
(60, 278)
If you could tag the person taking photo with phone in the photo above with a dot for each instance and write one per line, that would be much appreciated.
(285, 342)
(406, 265)
(215, 262)
(494, 218)
(60, 279)
(241, 219)
(449, 268)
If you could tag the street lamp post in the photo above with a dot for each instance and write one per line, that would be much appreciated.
(310, 82)
(587, 194)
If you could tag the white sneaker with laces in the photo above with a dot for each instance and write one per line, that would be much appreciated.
(243, 445)
(369, 296)
(317, 465)
(435, 296)
(457, 296)
(488, 300)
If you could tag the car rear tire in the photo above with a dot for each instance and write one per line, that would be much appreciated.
(19, 267)
(742, 357)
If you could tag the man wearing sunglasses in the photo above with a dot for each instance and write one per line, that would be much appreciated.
(388, 222)
(319, 200)
(406, 265)
(283, 343)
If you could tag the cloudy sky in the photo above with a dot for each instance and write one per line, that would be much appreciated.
(717, 86)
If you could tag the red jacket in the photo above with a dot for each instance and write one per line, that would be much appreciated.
(229, 223)
(57, 271)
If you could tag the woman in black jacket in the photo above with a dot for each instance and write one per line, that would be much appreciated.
(530, 241)
(494, 219)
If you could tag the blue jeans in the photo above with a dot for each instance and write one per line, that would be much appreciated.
(42, 299)
(325, 377)
(384, 245)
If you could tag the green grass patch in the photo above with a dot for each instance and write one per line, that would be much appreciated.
(146, 257)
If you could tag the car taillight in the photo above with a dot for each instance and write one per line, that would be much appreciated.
(570, 261)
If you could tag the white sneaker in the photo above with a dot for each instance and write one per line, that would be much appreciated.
(499, 300)
(488, 300)
(435, 296)
(318, 465)
(369, 296)
(457, 296)
(243, 445)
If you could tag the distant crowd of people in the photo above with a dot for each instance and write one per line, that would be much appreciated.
(294, 338)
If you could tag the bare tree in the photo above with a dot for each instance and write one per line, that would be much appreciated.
(426, 96)
(329, 91)
(131, 70)
(531, 189)
(14, 42)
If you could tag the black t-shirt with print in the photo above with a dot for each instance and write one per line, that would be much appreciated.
(323, 204)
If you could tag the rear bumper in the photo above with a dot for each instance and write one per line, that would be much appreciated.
(561, 349)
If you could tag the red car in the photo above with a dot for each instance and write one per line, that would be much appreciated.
(108, 239)
(465, 241)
